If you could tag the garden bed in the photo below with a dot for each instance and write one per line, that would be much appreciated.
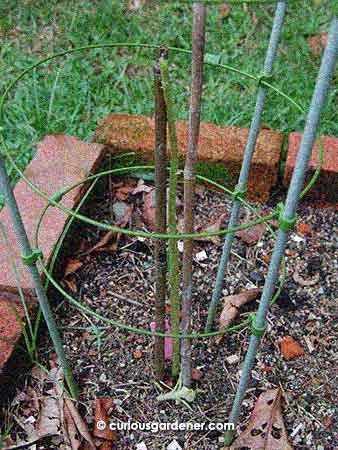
(116, 279)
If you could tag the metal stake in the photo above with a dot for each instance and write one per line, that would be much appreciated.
(27, 253)
(244, 174)
(287, 216)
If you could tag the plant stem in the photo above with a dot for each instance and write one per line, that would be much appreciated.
(160, 214)
(198, 41)
(172, 246)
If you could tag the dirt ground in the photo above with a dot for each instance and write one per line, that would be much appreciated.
(116, 279)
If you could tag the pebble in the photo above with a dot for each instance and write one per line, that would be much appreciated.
(201, 256)
(232, 359)
(141, 446)
(174, 445)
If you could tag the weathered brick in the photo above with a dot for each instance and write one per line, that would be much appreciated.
(60, 161)
(217, 144)
(11, 310)
(326, 188)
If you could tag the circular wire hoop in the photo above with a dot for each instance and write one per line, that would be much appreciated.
(55, 199)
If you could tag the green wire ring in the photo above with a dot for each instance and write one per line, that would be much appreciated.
(53, 200)
(144, 331)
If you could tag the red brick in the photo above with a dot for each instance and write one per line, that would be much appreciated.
(60, 161)
(216, 144)
(10, 329)
(326, 188)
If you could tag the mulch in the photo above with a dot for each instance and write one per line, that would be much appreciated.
(118, 281)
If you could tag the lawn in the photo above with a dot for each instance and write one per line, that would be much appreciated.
(72, 94)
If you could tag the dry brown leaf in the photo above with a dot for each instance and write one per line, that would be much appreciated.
(266, 430)
(148, 210)
(71, 284)
(102, 407)
(290, 348)
(232, 303)
(102, 245)
(251, 235)
(78, 424)
(72, 266)
(300, 280)
(215, 226)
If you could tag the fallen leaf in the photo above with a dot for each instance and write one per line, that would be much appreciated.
(300, 280)
(317, 43)
(290, 348)
(103, 405)
(148, 210)
(79, 423)
(232, 303)
(215, 226)
(303, 228)
(71, 284)
(141, 187)
(102, 245)
(122, 193)
(266, 430)
(252, 235)
(72, 266)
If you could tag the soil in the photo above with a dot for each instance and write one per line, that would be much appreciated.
(118, 282)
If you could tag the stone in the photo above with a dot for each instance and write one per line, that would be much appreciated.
(326, 187)
(217, 144)
(60, 161)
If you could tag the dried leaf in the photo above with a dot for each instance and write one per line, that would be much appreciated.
(252, 235)
(71, 284)
(72, 266)
(79, 423)
(103, 244)
(148, 210)
(290, 348)
(102, 407)
(300, 280)
(232, 303)
(215, 226)
(266, 428)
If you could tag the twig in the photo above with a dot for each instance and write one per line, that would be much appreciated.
(160, 213)
(198, 40)
(172, 246)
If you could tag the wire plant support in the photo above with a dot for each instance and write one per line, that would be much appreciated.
(285, 213)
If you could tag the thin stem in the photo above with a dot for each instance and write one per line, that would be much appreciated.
(160, 214)
(198, 41)
(172, 246)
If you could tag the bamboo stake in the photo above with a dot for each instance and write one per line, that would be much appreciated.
(172, 246)
(160, 213)
(198, 41)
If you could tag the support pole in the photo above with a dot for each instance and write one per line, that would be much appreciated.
(244, 174)
(198, 43)
(160, 214)
(287, 213)
(30, 257)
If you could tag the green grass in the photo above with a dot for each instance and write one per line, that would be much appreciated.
(71, 95)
